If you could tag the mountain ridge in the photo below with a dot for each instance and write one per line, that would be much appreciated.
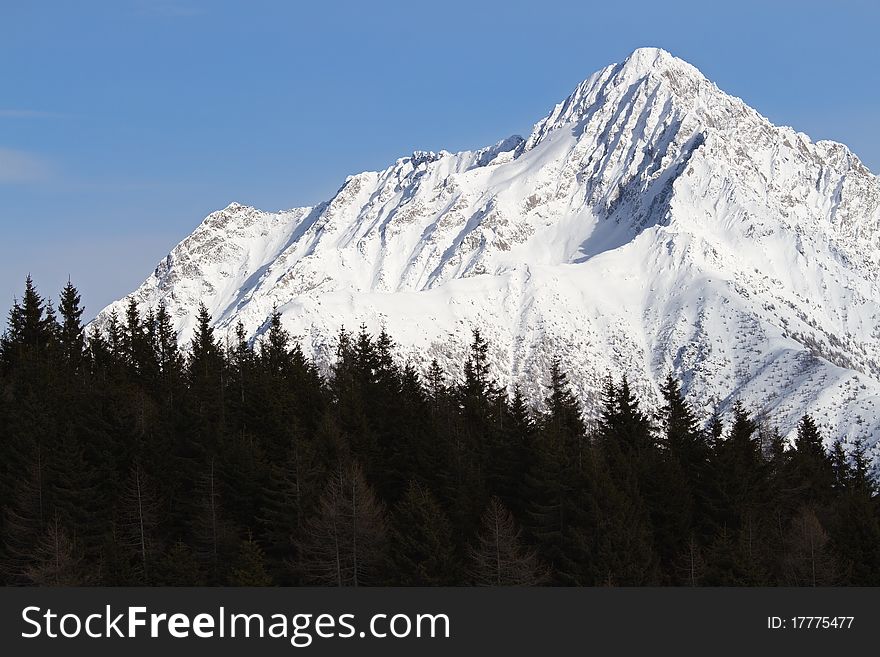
(646, 220)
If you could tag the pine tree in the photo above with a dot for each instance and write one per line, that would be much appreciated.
(632, 426)
(56, 560)
(32, 329)
(344, 542)
(35, 324)
(479, 397)
(72, 334)
(477, 381)
(679, 431)
(275, 347)
(681, 480)
(622, 550)
(213, 537)
(511, 466)
(205, 357)
(812, 471)
(178, 567)
(115, 340)
(98, 352)
(25, 517)
(137, 351)
(251, 569)
(630, 480)
(406, 444)
(73, 489)
(563, 416)
(480, 412)
(500, 557)
(288, 494)
(724, 562)
(386, 368)
(860, 480)
(139, 519)
(243, 361)
(561, 510)
(422, 548)
(365, 357)
(714, 428)
(737, 472)
(839, 466)
(435, 383)
(691, 565)
(625, 432)
(168, 356)
(855, 522)
(206, 370)
(808, 557)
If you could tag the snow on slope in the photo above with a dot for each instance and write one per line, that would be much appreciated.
(649, 223)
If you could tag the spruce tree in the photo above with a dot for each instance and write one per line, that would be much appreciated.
(563, 416)
(737, 472)
(275, 347)
(168, 356)
(206, 371)
(675, 485)
(811, 468)
(809, 560)
(250, 569)
(178, 567)
(344, 543)
(56, 560)
(25, 516)
(37, 325)
(511, 466)
(205, 354)
(855, 525)
(422, 548)
(72, 334)
(138, 523)
(32, 330)
(500, 557)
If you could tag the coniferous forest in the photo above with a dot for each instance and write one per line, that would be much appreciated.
(129, 459)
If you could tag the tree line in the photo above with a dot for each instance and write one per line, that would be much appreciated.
(128, 459)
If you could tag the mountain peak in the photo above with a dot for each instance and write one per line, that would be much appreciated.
(649, 57)
(647, 62)
(651, 223)
(650, 62)
(660, 75)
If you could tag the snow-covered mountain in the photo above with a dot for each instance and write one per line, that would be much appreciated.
(649, 223)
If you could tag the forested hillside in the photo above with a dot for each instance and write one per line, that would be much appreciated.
(128, 459)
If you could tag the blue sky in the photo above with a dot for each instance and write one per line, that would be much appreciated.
(123, 123)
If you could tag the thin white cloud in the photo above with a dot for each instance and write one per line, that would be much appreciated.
(20, 167)
(28, 114)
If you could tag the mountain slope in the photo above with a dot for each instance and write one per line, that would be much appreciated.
(649, 223)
